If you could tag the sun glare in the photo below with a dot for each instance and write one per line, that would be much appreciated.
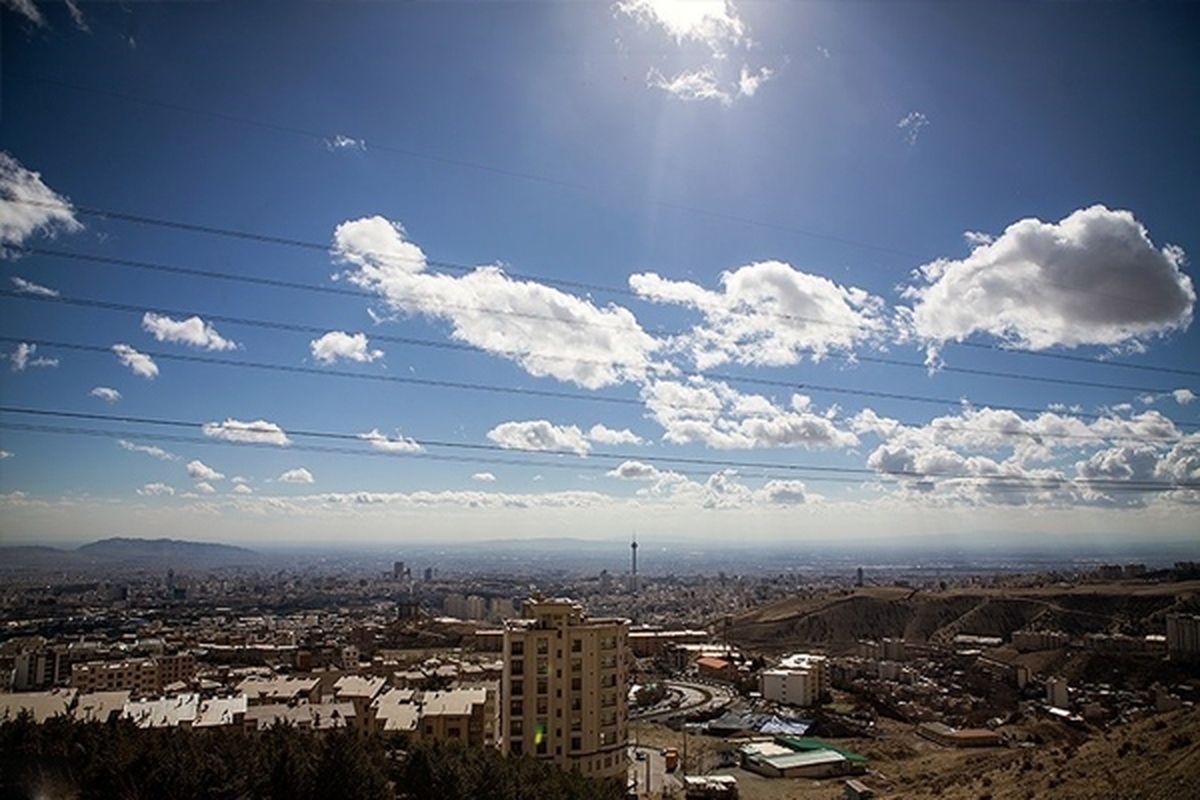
(706, 21)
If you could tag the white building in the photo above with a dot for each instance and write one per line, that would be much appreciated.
(800, 680)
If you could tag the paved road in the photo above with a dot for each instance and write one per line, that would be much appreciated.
(653, 769)
(696, 696)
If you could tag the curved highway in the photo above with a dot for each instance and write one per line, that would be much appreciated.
(694, 697)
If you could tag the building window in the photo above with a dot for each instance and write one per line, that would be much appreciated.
(515, 747)
(515, 728)
(543, 704)
(453, 733)
(542, 686)
(517, 648)
(577, 645)
(543, 646)
(576, 684)
(518, 668)
(516, 708)
(543, 666)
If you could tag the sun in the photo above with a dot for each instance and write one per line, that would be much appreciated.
(712, 22)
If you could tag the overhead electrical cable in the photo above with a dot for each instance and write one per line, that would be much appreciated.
(462, 346)
(598, 398)
(720, 464)
(461, 268)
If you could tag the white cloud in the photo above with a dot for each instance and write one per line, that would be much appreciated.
(484, 477)
(767, 314)
(1183, 396)
(27, 205)
(77, 15)
(1182, 463)
(156, 452)
(715, 28)
(911, 126)
(343, 142)
(21, 358)
(721, 490)
(242, 488)
(199, 471)
(976, 238)
(257, 432)
(105, 393)
(5, 454)
(142, 365)
(991, 456)
(338, 344)
(749, 82)
(785, 492)
(602, 434)
(192, 331)
(547, 332)
(29, 287)
(27, 9)
(1093, 278)
(697, 84)
(540, 435)
(156, 490)
(400, 444)
(720, 417)
(634, 471)
(298, 475)
(204, 487)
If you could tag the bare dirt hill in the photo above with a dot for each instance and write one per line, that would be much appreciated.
(921, 616)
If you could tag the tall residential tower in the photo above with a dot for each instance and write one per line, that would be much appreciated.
(565, 688)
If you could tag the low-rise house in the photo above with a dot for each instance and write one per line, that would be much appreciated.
(272, 690)
(41, 706)
(305, 716)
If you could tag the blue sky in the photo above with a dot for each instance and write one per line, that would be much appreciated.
(729, 271)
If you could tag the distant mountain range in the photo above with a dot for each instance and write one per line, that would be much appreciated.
(168, 553)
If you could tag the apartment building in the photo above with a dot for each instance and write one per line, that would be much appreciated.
(565, 687)
(459, 715)
(800, 680)
(140, 676)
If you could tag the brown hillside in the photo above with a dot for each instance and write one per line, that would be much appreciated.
(919, 616)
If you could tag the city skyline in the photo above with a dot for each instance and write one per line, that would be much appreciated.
(727, 272)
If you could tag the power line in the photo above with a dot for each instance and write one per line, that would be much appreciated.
(601, 398)
(719, 464)
(460, 346)
(464, 163)
(461, 268)
(547, 393)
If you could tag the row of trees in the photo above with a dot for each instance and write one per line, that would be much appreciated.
(67, 758)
